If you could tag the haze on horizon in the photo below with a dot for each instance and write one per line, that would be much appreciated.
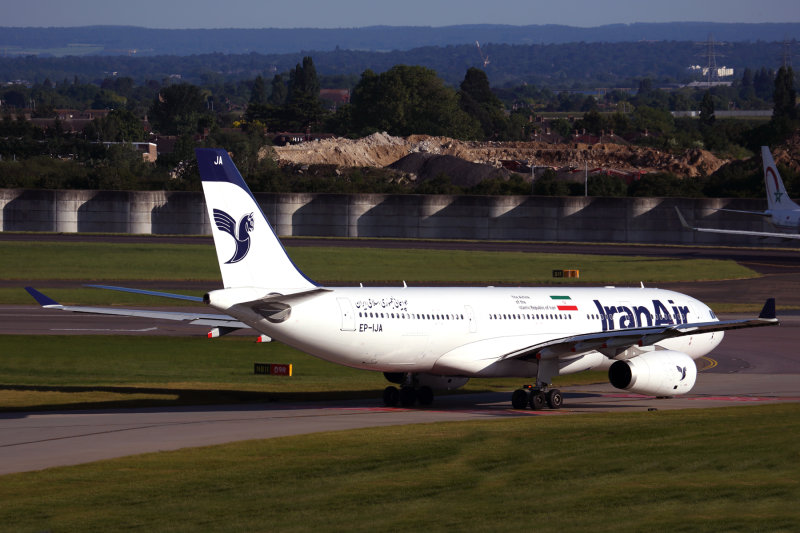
(183, 14)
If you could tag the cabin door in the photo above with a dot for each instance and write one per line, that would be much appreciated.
(348, 317)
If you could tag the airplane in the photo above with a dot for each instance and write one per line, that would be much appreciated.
(781, 211)
(426, 338)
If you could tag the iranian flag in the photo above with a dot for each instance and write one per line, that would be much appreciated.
(564, 303)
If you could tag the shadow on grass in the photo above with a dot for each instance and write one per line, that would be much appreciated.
(179, 397)
(189, 397)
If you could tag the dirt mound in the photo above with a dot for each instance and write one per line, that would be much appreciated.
(377, 150)
(789, 153)
(381, 149)
(426, 166)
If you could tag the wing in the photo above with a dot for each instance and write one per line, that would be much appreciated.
(194, 318)
(225, 222)
(611, 343)
(737, 232)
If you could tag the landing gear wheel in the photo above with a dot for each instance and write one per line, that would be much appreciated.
(537, 400)
(554, 399)
(391, 396)
(425, 395)
(408, 396)
(519, 399)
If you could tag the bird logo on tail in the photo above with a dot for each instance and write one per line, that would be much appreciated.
(240, 232)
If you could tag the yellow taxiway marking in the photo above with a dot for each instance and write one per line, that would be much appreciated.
(710, 363)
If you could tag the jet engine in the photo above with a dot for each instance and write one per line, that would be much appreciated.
(659, 373)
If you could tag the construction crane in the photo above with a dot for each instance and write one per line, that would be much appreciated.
(484, 58)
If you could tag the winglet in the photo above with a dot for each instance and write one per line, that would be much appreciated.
(683, 220)
(768, 311)
(41, 299)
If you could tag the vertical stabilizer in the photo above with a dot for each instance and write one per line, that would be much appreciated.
(777, 199)
(249, 252)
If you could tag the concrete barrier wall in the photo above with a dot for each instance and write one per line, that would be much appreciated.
(634, 220)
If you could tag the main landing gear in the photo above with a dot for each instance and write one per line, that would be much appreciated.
(536, 398)
(415, 388)
(407, 396)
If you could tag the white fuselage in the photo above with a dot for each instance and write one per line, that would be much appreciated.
(468, 331)
(785, 219)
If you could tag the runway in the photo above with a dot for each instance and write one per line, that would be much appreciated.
(753, 366)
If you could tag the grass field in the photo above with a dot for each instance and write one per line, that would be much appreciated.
(162, 263)
(72, 372)
(733, 470)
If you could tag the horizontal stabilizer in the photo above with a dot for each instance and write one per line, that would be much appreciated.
(290, 299)
(148, 293)
(763, 234)
(757, 213)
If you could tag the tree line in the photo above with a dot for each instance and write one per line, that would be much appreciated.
(570, 66)
(403, 100)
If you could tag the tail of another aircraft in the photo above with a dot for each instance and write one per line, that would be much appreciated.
(248, 250)
(776, 192)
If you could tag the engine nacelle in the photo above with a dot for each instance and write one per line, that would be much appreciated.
(659, 373)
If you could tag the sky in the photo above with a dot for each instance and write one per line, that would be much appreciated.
(358, 13)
